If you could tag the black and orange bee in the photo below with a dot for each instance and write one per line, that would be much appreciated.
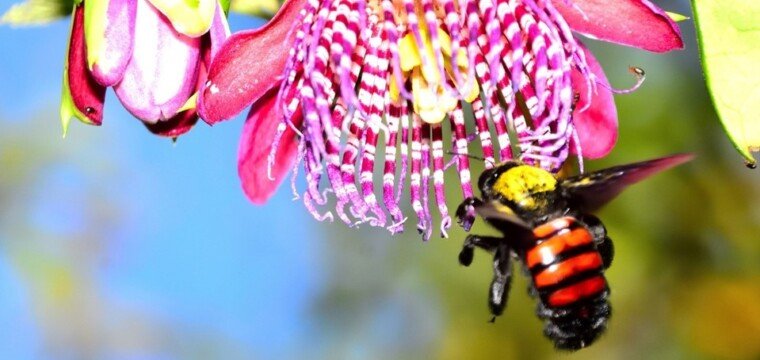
(547, 224)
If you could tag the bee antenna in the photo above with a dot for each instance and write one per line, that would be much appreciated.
(475, 157)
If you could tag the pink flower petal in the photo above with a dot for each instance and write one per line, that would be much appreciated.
(163, 71)
(247, 66)
(637, 23)
(117, 41)
(210, 44)
(255, 143)
(218, 33)
(183, 121)
(86, 94)
(176, 126)
(598, 125)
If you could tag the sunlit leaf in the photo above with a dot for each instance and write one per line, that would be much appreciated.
(260, 8)
(189, 17)
(225, 5)
(729, 36)
(37, 12)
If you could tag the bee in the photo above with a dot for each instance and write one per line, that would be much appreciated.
(547, 224)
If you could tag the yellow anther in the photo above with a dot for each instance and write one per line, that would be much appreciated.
(430, 99)
(430, 102)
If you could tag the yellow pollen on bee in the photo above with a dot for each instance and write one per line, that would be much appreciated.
(520, 183)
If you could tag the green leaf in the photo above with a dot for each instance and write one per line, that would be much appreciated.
(259, 8)
(729, 37)
(37, 12)
(190, 17)
(225, 5)
(676, 16)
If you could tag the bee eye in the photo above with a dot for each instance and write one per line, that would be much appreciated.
(486, 178)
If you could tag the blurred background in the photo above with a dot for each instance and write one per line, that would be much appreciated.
(115, 244)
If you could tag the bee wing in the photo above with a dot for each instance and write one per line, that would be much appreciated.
(593, 190)
(495, 212)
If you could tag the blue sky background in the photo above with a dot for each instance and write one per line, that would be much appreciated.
(188, 246)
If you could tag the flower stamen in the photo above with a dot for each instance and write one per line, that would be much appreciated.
(415, 66)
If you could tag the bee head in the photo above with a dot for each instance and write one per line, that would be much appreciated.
(528, 187)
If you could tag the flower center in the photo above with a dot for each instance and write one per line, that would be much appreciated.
(432, 94)
(389, 74)
(438, 74)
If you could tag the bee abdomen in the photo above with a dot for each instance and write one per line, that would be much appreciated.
(567, 272)
(564, 264)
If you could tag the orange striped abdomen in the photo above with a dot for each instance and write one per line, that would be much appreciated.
(564, 263)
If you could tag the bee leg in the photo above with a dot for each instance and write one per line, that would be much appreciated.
(466, 212)
(502, 276)
(602, 241)
(487, 243)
